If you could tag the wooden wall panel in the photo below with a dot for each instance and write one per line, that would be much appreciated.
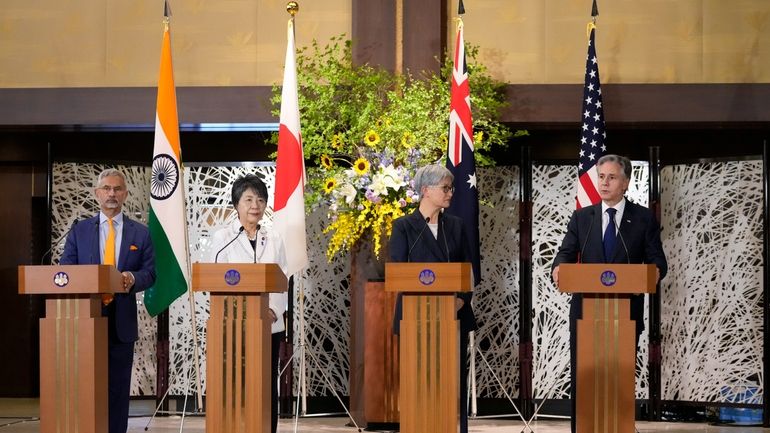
(98, 43)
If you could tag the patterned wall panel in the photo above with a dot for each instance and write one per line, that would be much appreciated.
(723, 295)
(324, 285)
(496, 300)
(712, 297)
(553, 199)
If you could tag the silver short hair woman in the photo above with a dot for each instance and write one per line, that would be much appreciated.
(431, 175)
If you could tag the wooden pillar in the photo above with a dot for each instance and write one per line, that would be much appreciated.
(430, 365)
(73, 366)
(400, 35)
(238, 364)
(606, 365)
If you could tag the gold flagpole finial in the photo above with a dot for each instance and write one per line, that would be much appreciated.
(589, 27)
(292, 8)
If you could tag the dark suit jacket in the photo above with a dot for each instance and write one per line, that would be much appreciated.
(640, 232)
(136, 256)
(412, 232)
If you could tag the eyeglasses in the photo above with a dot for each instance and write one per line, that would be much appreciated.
(445, 188)
(117, 189)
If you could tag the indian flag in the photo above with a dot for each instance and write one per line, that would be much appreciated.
(168, 226)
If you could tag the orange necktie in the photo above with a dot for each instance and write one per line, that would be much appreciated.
(109, 255)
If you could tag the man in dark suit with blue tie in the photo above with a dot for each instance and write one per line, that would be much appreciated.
(112, 238)
(613, 231)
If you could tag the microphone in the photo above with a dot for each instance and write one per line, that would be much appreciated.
(216, 257)
(50, 249)
(620, 236)
(408, 254)
(255, 243)
(590, 226)
(445, 243)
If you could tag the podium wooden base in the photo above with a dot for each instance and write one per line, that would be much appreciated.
(429, 364)
(606, 341)
(381, 376)
(238, 364)
(73, 366)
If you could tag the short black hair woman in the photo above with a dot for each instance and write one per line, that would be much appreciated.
(245, 240)
(428, 235)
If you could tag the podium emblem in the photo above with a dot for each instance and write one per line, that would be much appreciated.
(427, 277)
(61, 279)
(609, 278)
(232, 277)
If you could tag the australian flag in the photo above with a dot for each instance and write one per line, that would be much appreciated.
(460, 160)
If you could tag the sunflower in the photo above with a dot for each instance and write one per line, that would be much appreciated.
(336, 141)
(329, 185)
(361, 165)
(407, 140)
(371, 138)
(326, 161)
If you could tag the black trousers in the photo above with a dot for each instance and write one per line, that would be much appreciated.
(275, 346)
(463, 382)
(120, 362)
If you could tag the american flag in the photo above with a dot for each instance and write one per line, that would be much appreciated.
(593, 134)
(460, 159)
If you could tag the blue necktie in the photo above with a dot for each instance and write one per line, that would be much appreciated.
(610, 236)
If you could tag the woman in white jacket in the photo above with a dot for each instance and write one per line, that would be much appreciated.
(245, 240)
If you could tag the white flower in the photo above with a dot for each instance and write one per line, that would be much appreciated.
(348, 191)
(392, 177)
(379, 185)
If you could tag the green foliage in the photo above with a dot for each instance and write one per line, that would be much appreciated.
(351, 112)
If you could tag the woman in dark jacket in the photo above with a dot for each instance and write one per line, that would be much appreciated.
(429, 235)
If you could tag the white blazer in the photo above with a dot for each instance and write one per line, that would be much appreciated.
(270, 249)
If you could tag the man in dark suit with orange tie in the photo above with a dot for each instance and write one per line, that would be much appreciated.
(112, 238)
(613, 231)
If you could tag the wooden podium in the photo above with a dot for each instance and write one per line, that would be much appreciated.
(381, 377)
(606, 342)
(429, 365)
(238, 343)
(73, 344)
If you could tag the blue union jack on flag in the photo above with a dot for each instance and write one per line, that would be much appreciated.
(460, 159)
(593, 134)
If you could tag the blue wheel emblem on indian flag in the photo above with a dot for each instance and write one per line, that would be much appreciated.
(427, 277)
(165, 176)
(608, 278)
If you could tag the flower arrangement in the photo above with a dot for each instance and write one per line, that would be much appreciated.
(366, 131)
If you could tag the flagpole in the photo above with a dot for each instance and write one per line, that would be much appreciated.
(193, 316)
(191, 295)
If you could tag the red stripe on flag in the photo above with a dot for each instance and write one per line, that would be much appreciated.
(459, 102)
(458, 145)
(290, 162)
(589, 188)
